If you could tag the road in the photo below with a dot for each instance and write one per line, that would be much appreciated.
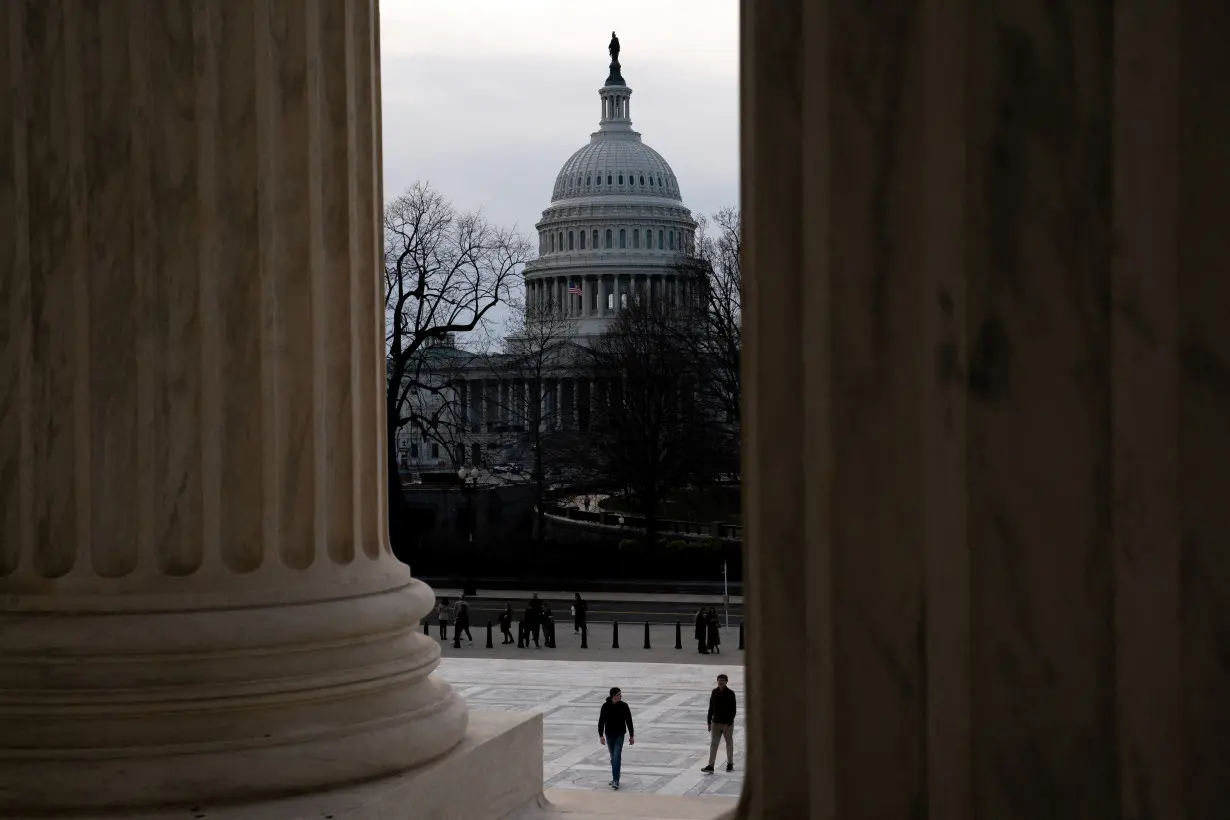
(483, 609)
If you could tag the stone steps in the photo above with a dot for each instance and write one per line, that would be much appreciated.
(572, 804)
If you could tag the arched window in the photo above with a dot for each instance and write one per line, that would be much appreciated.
(651, 181)
(561, 240)
(608, 179)
(552, 241)
(582, 240)
(571, 239)
(587, 179)
(623, 238)
(672, 240)
(659, 240)
(608, 238)
(595, 243)
(621, 179)
(659, 182)
(636, 237)
(599, 182)
(642, 179)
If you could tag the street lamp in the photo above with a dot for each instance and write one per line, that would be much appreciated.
(468, 475)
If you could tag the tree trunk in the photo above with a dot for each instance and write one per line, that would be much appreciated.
(539, 493)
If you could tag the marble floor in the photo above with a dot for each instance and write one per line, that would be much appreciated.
(668, 703)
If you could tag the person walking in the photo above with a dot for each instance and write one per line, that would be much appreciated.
(579, 609)
(702, 632)
(442, 616)
(614, 722)
(713, 628)
(506, 624)
(534, 618)
(531, 625)
(721, 722)
(461, 619)
(548, 626)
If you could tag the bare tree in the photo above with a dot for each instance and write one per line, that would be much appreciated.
(717, 337)
(648, 434)
(444, 272)
(538, 349)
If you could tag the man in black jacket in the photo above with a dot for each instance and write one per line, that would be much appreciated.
(721, 721)
(614, 721)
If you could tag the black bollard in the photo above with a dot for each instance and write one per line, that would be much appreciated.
(740, 634)
(646, 634)
(584, 636)
(489, 643)
(456, 638)
(615, 636)
(678, 635)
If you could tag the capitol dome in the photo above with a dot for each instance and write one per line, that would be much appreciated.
(616, 228)
(616, 164)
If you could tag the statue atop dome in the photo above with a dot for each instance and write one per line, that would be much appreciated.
(614, 78)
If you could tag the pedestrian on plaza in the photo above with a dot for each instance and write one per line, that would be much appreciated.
(548, 626)
(714, 629)
(721, 723)
(702, 632)
(614, 722)
(506, 624)
(442, 616)
(531, 624)
(538, 618)
(579, 609)
(461, 619)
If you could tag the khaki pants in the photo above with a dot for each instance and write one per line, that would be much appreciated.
(716, 732)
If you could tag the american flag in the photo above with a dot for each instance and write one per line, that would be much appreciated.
(574, 289)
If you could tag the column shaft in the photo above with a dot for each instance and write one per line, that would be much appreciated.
(985, 434)
(192, 419)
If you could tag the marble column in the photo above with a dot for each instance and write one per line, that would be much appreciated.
(200, 602)
(987, 385)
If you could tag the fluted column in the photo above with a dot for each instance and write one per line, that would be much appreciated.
(987, 392)
(199, 597)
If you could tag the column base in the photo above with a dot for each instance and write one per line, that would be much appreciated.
(495, 770)
(572, 804)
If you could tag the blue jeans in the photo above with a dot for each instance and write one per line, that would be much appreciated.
(615, 744)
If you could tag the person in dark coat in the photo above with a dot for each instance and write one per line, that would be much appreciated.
(548, 626)
(713, 629)
(615, 721)
(461, 620)
(721, 722)
(579, 610)
(506, 624)
(533, 613)
(702, 632)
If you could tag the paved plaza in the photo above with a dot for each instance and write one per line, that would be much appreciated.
(668, 702)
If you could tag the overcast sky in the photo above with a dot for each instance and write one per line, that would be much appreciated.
(486, 99)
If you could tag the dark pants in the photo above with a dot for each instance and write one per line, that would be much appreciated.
(443, 628)
(700, 646)
(615, 745)
(464, 626)
(504, 628)
(534, 628)
(578, 623)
